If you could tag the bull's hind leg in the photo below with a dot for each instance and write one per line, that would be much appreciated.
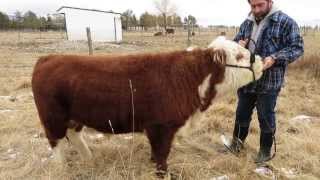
(160, 137)
(56, 137)
(76, 139)
(58, 151)
(54, 118)
(57, 142)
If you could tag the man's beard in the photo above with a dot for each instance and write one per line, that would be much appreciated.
(262, 15)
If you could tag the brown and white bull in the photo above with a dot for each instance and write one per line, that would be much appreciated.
(151, 92)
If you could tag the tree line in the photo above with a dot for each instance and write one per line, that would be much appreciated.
(30, 20)
(148, 20)
(167, 16)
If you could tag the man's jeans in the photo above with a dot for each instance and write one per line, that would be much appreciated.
(265, 104)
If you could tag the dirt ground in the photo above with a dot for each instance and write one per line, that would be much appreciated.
(25, 152)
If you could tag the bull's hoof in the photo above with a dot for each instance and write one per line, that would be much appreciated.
(161, 174)
(166, 175)
(161, 170)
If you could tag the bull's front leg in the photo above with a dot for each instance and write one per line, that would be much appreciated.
(160, 137)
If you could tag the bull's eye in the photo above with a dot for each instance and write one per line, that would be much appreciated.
(239, 56)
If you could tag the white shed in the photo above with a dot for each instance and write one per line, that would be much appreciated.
(104, 25)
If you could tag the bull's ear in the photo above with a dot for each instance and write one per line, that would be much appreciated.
(219, 56)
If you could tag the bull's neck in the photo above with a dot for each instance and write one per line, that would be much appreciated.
(199, 69)
(210, 74)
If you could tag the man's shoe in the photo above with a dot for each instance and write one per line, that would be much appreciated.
(263, 156)
(235, 146)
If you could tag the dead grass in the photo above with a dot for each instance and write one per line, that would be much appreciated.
(309, 64)
(25, 153)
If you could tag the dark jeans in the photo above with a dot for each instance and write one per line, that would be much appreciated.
(265, 104)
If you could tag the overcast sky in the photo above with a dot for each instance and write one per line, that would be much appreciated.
(215, 12)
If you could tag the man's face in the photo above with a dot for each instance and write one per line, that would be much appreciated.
(260, 8)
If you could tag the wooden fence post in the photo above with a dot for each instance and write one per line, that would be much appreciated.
(189, 33)
(89, 41)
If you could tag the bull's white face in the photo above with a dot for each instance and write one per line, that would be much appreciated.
(234, 77)
(236, 55)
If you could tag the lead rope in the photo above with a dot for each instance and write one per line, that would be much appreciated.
(252, 60)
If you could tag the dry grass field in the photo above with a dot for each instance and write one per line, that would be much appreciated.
(25, 152)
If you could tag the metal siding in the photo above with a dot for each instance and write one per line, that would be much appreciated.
(101, 25)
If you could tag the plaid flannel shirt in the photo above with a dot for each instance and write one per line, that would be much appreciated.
(280, 38)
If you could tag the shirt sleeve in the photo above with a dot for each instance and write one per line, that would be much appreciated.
(240, 35)
(294, 46)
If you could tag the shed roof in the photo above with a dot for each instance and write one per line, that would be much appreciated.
(84, 9)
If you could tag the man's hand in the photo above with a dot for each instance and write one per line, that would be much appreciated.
(243, 43)
(268, 62)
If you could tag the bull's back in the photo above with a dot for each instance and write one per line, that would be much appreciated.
(93, 90)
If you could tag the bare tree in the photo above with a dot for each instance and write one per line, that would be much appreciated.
(166, 9)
